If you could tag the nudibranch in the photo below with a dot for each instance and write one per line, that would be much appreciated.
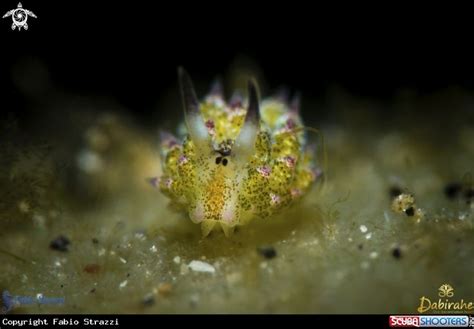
(238, 160)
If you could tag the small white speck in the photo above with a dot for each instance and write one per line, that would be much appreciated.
(39, 296)
(368, 236)
(123, 284)
(349, 239)
(263, 265)
(153, 249)
(101, 252)
(57, 263)
(177, 260)
(140, 236)
(363, 228)
(374, 254)
(198, 266)
(123, 260)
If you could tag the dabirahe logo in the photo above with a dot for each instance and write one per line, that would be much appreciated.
(445, 304)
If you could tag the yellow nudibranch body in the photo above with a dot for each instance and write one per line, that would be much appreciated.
(236, 162)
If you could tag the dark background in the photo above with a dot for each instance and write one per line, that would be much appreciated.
(130, 50)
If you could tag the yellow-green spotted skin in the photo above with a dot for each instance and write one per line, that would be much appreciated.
(236, 162)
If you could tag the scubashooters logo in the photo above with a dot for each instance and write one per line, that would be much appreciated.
(445, 303)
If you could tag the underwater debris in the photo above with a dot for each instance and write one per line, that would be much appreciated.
(148, 300)
(267, 251)
(455, 190)
(61, 243)
(123, 284)
(452, 190)
(374, 255)
(396, 253)
(236, 163)
(92, 268)
(200, 266)
(405, 203)
(165, 289)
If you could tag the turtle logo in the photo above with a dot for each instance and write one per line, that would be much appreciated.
(19, 17)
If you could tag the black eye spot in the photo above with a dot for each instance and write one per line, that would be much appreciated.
(410, 211)
(218, 160)
(224, 162)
